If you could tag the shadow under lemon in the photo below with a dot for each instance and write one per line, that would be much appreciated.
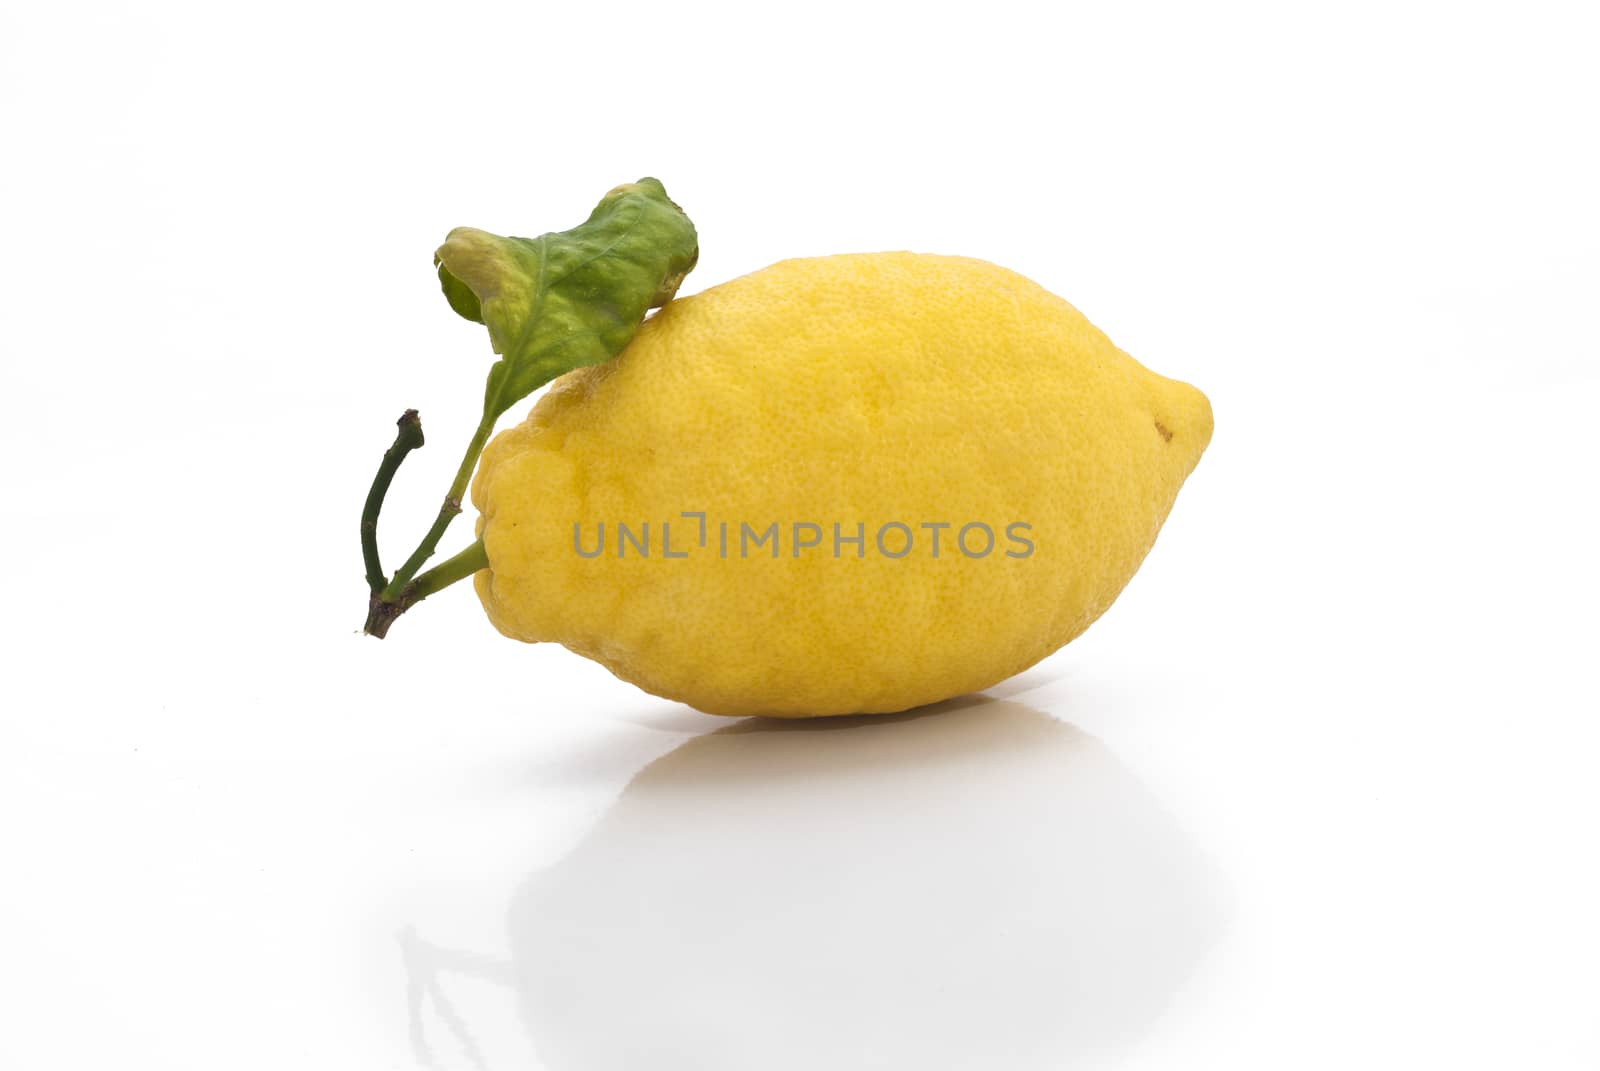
(973, 885)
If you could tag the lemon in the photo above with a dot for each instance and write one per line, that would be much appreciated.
(846, 484)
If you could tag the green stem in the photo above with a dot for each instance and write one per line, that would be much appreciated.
(447, 513)
(408, 439)
(381, 612)
(447, 572)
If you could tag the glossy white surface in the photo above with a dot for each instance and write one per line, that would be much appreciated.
(1318, 792)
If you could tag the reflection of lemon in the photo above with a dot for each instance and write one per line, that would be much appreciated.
(846, 894)
(885, 394)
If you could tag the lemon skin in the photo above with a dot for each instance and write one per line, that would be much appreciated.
(856, 390)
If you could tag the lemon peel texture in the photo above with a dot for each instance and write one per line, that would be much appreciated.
(857, 391)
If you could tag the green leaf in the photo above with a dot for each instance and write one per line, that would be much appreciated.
(562, 301)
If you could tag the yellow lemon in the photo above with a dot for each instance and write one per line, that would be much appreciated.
(847, 484)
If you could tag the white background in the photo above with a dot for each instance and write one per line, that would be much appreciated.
(1318, 792)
